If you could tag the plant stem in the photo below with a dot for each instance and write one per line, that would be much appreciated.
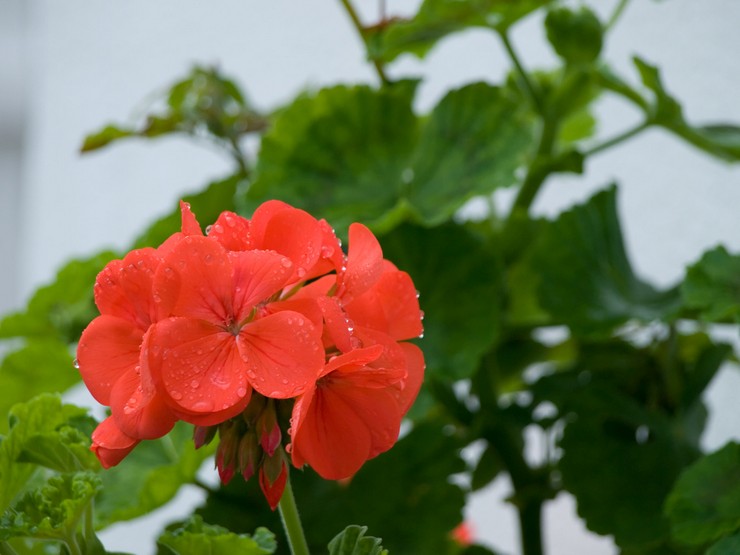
(523, 75)
(7, 549)
(539, 170)
(350, 9)
(239, 157)
(621, 137)
(616, 14)
(292, 521)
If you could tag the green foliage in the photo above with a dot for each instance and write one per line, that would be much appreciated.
(353, 541)
(712, 286)
(704, 505)
(205, 103)
(590, 283)
(437, 19)
(350, 153)
(150, 476)
(576, 35)
(726, 546)
(195, 537)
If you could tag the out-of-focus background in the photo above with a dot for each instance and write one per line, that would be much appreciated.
(67, 68)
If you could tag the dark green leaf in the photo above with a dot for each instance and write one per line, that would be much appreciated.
(712, 286)
(40, 416)
(206, 205)
(63, 308)
(704, 505)
(576, 35)
(409, 479)
(353, 541)
(106, 135)
(341, 154)
(195, 537)
(437, 19)
(53, 510)
(150, 476)
(460, 292)
(588, 282)
(726, 546)
(41, 366)
(489, 466)
(349, 154)
(473, 142)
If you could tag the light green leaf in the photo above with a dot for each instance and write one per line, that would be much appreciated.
(205, 102)
(353, 541)
(437, 19)
(349, 154)
(67, 449)
(587, 280)
(195, 537)
(712, 286)
(42, 415)
(53, 510)
(460, 286)
(40, 366)
(704, 505)
(64, 307)
(150, 476)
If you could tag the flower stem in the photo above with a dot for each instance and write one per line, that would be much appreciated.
(350, 9)
(292, 521)
(628, 134)
(522, 73)
(616, 14)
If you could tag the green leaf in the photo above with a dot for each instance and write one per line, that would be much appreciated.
(63, 308)
(53, 510)
(459, 282)
(587, 280)
(437, 19)
(489, 466)
(473, 142)
(704, 505)
(712, 286)
(195, 537)
(353, 541)
(576, 35)
(66, 449)
(40, 366)
(726, 546)
(340, 154)
(42, 416)
(410, 479)
(217, 197)
(205, 102)
(720, 140)
(150, 476)
(349, 154)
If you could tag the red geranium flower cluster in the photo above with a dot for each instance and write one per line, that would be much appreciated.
(250, 326)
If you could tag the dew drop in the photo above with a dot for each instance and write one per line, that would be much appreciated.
(289, 447)
(208, 259)
(204, 405)
(301, 272)
(241, 392)
(176, 395)
(209, 229)
(285, 381)
(76, 364)
(286, 263)
(195, 384)
(218, 228)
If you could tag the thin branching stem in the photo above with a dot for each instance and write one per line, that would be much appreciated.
(616, 14)
(522, 73)
(350, 9)
(617, 139)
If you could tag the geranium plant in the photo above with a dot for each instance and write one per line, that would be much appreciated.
(260, 346)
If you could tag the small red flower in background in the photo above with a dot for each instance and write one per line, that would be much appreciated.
(235, 329)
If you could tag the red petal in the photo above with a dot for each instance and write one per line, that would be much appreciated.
(415, 376)
(353, 360)
(124, 287)
(337, 323)
(283, 354)
(291, 232)
(389, 306)
(344, 426)
(139, 410)
(232, 231)
(194, 280)
(111, 445)
(364, 263)
(200, 370)
(308, 307)
(108, 349)
(257, 275)
(190, 225)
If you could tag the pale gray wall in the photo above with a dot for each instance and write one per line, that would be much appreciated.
(92, 62)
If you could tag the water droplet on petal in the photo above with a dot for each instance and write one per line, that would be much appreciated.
(176, 395)
(289, 447)
(209, 228)
(195, 384)
(76, 364)
(285, 381)
(218, 228)
(241, 392)
(286, 263)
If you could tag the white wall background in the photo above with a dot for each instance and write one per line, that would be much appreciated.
(68, 67)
